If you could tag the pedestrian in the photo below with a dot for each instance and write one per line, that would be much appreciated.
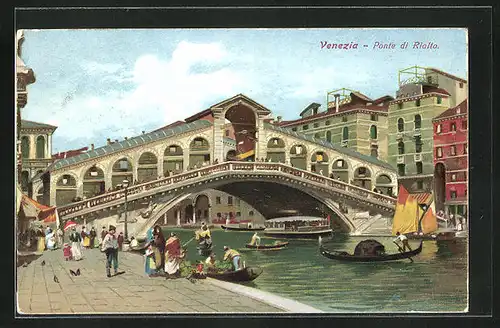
(60, 237)
(174, 256)
(150, 265)
(85, 238)
(93, 235)
(120, 241)
(110, 247)
(67, 252)
(104, 232)
(76, 239)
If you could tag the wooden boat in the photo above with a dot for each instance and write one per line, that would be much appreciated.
(245, 274)
(344, 256)
(297, 227)
(267, 247)
(240, 228)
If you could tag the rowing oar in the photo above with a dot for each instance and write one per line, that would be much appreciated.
(402, 252)
(190, 240)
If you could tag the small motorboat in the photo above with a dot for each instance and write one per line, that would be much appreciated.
(276, 246)
(241, 228)
(245, 274)
(374, 257)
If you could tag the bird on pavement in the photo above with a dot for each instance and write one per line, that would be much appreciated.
(78, 272)
(55, 279)
(72, 272)
(43, 262)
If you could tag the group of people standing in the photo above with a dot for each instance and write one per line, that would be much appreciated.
(163, 257)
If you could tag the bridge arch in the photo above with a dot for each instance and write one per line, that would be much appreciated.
(66, 188)
(202, 206)
(341, 169)
(121, 168)
(173, 158)
(362, 176)
(298, 156)
(319, 161)
(384, 184)
(276, 149)
(93, 180)
(199, 150)
(147, 166)
(243, 118)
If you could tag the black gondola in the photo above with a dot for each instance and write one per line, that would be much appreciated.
(245, 274)
(267, 247)
(344, 256)
(240, 229)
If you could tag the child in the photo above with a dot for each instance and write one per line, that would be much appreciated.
(67, 252)
(150, 265)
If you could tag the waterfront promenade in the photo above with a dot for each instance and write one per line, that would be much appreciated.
(132, 292)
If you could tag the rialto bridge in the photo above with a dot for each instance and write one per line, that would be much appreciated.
(276, 168)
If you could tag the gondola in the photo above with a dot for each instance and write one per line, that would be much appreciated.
(240, 229)
(267, 247)
(245, 274)
(344, 256)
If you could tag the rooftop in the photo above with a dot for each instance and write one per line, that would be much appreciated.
(460, 109)
(36, 125)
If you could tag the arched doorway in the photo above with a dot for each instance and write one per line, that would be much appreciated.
(40, 147)
(122, 170)
(202, 208)
(383, 183)
(340, 170)
(298, 157)
(173, 160)
(93, 182)
(363, 178)
(439, 186)
(147, 167)
(188, 213)
(199, 152)
(25, 147)
(276, 150)
(65, 190)
(319, 163)
(242, 119)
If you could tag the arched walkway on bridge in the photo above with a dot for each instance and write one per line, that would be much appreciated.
(147, 168)
(276, 150)
(298, 157)
(122, 170)
(319, 163)
(93, 182)
(173, 160)
(340, 170)
(363, 178)
(383, 184)
(199, 152)
(66, 189)
(243, 121)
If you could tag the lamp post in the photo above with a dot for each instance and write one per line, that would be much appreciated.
(125, 185)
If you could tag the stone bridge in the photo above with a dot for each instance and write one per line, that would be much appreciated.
(342, 200)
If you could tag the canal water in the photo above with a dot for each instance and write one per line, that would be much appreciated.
(435, 282)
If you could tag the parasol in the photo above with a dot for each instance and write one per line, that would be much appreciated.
(69, 225)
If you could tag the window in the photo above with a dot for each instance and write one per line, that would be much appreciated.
(329, 136)
(172, 149)
(401, 148)
(317, 136)
(217, 200)
(401, 169)
(420, 185)
(400, 105)
(227, 133)
(374, 151)
(373, 117)
(345, 133)
(419, 167)
(418, 121)
(316, 125)
(305, 127)
(198, 142)
(417, 103)
(439, 152)
(250, 213)
(177, 166)
(327, 123)
(373, 132)
(453, 150)
(453, 194)
(418, 144)
(439, 127)
(453, 127)
(465, 149)
(238, 214)
(25, 147)
(40, 147)
(344, 118)
(429, 79)
(439, 99)
(453, 177)
(464, 125)
(294, 129)
(229, 200)
(362, 171)
(401, 125)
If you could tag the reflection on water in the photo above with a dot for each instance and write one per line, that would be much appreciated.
(436, 281)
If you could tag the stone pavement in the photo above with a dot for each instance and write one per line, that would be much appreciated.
(131, 292)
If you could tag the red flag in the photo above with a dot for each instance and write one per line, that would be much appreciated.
(402, 195)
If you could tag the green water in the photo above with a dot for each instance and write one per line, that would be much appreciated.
(436, 281)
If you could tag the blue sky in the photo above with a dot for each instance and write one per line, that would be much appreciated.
(98, 84)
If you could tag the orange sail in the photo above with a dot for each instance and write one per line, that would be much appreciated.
(407, 213)
(429, 221)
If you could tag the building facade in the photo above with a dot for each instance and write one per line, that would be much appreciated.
(36, 149)
(352, 120)
(451, 159)
(420, 98)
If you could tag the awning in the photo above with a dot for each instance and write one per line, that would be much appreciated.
(34, 210)
(422, 198)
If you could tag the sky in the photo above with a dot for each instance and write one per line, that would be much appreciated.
(99, 84)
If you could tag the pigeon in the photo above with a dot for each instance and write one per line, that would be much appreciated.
(55, 279)
(78, 272)
(43, 262)
(72, 272)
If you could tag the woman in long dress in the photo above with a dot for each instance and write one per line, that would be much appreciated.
(159, 247)
(76, 250)
(85, 238)
(150, 265)
(174, 256)
(41, 240)
(93, 235)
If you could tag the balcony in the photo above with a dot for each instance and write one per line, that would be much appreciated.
(400, 159)
(417, 157)
(399, 135)
(417, 133)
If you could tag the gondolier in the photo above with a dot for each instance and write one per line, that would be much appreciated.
(404, 241)
(233, 256)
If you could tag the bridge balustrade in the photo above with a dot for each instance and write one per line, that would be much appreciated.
(226, 166)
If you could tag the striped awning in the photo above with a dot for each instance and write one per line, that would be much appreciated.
(423, 198)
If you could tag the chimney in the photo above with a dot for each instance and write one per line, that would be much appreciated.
(337, 100)
(109, 141)
(279, 119)
(91, 146)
